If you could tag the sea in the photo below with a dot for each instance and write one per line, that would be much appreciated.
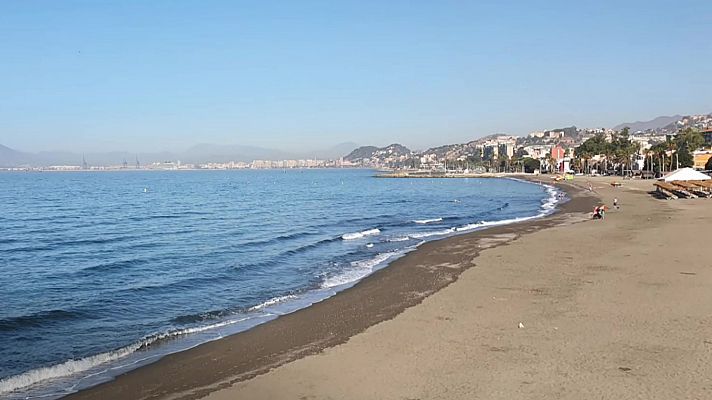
(103, 272)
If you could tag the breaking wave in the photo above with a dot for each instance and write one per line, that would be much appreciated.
(362, 234)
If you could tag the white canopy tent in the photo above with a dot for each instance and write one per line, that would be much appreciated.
(685, 174)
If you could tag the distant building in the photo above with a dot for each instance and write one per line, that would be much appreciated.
(490, 151)
(558, 153)
(65, 168)
(537, 151)
(506, 149)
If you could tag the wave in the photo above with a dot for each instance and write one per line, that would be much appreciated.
(427, 221)
(353, 220)
(359, 235)
(422, 235)
(273, 301)
(29, 249)
(158, 216)
(272, 240)
(37, 319)
(309, 246)
(358, 270)
(178, 285)
(484, 224)
(71, 367)
(113, 265)
(550, 203)
(102, 240)
(202, 317)
(59, 245)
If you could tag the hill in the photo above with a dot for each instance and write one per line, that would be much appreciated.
(379, 155)
(653, 124)
(11, 158)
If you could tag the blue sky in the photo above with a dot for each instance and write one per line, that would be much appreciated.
(298, 75)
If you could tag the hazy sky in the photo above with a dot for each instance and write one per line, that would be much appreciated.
(163, 75)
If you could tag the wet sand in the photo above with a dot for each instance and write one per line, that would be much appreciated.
(380, 297)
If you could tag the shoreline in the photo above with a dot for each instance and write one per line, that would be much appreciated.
(404, 283)
(609, 309)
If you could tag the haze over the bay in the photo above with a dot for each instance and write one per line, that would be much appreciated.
(300, 77)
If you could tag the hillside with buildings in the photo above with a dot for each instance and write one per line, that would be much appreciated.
(552, 149)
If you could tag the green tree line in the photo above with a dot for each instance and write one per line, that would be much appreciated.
(619, 151)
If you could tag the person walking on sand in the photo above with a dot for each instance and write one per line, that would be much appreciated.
(615, 203)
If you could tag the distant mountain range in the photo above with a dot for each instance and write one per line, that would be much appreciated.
(653, 124)
(10, 157)
(201, 153)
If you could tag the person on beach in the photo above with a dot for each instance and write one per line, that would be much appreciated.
(596, 213)
(615, 203)
(599, 212)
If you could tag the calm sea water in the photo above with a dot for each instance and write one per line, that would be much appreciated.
(103, 272)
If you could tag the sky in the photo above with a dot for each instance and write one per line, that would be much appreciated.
(301, 75)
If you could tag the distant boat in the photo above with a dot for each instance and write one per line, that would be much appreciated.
(145, 190)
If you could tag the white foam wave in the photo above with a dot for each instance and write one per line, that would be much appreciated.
(399, 239)
(273, 301)
(422, 235)
(484, 224)
(71, 367)
(359, 270)
(362, 234)
(427, 221)
(550, 203)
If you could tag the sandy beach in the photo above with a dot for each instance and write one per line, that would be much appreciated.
(562, 307)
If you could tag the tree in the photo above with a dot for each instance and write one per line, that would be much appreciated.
(530, 164)
(591, 147)
(621, 148)
(687, 141)
(549, 162)
(520, 153)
